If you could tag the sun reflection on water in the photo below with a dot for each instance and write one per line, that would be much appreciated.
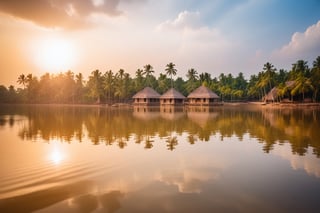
(56, 155)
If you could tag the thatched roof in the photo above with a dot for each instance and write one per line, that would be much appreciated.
(147, 92)
(203, 92)
(272, 95)
(290, 84)
(173, 94)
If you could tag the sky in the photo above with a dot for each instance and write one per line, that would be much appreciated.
(214, 36)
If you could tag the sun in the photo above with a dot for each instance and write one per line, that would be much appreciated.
(54, 55)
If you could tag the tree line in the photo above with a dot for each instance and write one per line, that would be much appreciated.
(298, 84)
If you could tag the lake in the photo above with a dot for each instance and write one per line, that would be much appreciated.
(221, 159)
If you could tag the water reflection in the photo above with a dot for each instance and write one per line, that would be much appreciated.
(309, 163)
(299, 128)
(109, 202)
(158, 159)
(56, 155)
(43, 198)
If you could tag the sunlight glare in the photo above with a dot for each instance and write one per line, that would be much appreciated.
(56, 155)
(54, 55)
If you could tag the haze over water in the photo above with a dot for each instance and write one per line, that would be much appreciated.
(225, 159)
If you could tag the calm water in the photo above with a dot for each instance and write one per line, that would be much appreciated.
(78, 159)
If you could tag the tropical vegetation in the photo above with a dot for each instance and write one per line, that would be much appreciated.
(299, 84)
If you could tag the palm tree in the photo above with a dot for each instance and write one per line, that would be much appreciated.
(253, 90)
(95, 85)
(79, 79)
(69, 86)
(29, 79)
(109, 83)
(300, 66)
(302, 85)
(22, 80)
(205, 78)
(192, 76)
(282, 90)
(126, 85)
(163, 83)
(316, 63)
(148, 70)
(139, 79)
(79, 87)
(315, 77)
(32, 88)
(269, 72)
(261, 83)
(120, 86)
(170, 70)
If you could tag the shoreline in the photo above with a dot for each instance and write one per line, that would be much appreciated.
(276, 105)
(227, 104)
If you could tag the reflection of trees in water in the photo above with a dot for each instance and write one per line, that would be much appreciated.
(7, 120)
(172, 142)
(148, 142)
(294, 126)
(300, 128)
(192, 139)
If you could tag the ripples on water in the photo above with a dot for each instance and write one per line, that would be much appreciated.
(158, 160)
(36, 178)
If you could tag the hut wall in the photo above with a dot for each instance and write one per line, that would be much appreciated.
(146, 101)
(197, 101)
(170, 101)
(203, 101)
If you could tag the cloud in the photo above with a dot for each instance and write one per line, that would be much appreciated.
(302, 45)
(60, 13)
(195, 44)
(309, 162)
(189, 180)
(184, 20)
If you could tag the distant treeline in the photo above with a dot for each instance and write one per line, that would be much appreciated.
(111, 87)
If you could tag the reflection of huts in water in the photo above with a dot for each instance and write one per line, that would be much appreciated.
(201, 116)
(146, 97)
(172, 97)
(203, 96)
(146, 113)
(172, 112)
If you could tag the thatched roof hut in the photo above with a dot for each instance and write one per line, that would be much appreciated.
(271, 96)
(147, 96)
(203, 96)
(172, 97)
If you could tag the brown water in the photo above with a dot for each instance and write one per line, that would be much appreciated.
(225, 159)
